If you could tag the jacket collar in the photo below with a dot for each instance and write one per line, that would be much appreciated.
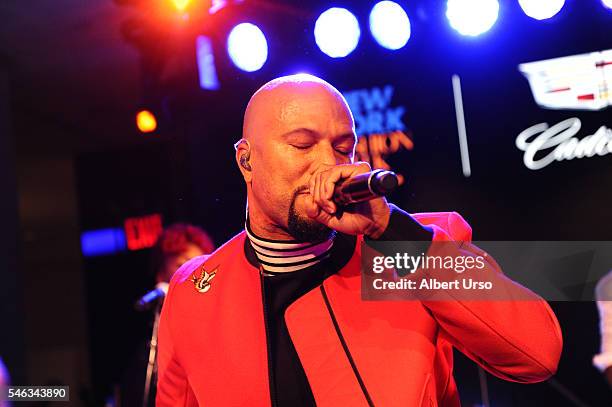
(340, 253)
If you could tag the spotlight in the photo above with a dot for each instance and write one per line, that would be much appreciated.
(146, 121)
(541, 10)
(247, 47)
(337, 32)
(180, 5)
(607, 3)
(389, 25)
(472, 17)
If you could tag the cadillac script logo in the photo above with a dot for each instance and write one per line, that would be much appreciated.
(545, 144)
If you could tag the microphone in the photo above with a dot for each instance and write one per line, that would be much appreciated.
(366, 186)
(152, 297)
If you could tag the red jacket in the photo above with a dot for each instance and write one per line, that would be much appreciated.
(212, 345)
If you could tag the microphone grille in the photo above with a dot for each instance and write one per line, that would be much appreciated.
(384, 182)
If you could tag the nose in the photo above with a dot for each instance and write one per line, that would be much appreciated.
(328, 155)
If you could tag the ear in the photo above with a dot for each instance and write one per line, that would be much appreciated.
(243, 156)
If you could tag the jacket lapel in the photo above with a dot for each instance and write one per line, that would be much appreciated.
(329, 372)
(391, 343)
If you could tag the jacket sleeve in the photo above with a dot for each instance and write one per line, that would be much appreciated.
(173, 388)
(516, 338)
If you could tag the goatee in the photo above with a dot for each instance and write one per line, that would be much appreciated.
(305, 229)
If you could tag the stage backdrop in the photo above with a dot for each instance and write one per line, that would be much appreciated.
(411, 90)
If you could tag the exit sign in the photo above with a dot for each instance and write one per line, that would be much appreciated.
(142, 232)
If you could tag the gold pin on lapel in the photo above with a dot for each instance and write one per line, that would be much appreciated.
(202, 283)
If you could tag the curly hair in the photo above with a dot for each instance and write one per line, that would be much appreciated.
(175, 238)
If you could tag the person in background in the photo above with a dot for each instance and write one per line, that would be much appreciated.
(178, 243)
(603, 294)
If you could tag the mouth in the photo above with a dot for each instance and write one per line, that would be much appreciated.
(303, 190)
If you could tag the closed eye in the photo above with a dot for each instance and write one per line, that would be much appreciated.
(344, 148)
(301, 146)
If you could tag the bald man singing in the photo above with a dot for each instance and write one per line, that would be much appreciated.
(275, 316)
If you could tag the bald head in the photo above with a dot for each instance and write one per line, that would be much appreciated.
(282, 100)
(294, 125)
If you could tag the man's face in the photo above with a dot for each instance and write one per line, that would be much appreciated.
(299, 130)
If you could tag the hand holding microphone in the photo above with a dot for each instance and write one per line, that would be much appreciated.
(364, 187)
(332, 188)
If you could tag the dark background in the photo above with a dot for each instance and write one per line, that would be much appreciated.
(75, 73)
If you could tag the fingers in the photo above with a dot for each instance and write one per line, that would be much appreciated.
(315, 211)
(320, 196)
(312, 209)
(324, 180)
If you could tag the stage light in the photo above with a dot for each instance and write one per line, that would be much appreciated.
(389, 25)
(181, 5)
(337, 32)
(607, 3)
(472, 17)
(541, 10)
(206, 63)
(146, 121)
(247, 47)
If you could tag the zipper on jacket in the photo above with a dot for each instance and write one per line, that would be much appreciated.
(269, 350)
(345, 347)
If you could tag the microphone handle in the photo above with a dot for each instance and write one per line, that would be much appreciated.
(149, 299)
(364, 187)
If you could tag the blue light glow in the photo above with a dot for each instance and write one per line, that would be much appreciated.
(206, 63)
(607, 3)
(472, 17)
(389, 25)
(337, 32)
(541, 10)
(247, 47)
(102, 241)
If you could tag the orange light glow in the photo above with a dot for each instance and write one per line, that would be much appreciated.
(146, 121)
(181, 5)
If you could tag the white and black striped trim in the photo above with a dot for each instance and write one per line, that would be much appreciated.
(276, 256)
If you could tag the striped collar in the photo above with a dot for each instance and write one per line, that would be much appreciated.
(282, 256)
